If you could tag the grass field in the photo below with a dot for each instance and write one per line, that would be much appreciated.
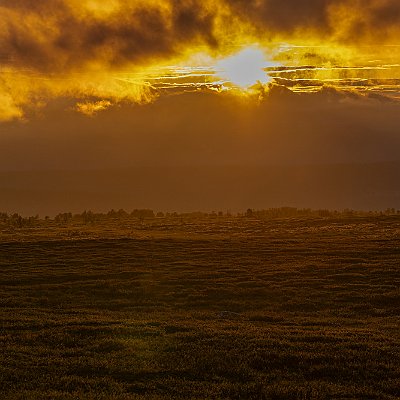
(228, 308)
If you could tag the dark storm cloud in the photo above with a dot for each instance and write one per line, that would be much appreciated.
(52, 34)
(287, 16)
(343, 20)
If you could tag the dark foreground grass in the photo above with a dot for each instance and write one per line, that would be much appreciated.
(290, 309)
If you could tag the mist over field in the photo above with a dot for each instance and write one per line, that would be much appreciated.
(205, 151)
(206, 188)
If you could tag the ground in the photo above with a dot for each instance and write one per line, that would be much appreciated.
(207, 308)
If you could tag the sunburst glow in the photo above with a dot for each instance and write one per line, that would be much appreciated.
(245, 68)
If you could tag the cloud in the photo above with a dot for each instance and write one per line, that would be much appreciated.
(91, 108)
(57, 35)
(342, 21)
(8, 109)
(208, 129)
(61, 35)
(56, 48)
(77, 48)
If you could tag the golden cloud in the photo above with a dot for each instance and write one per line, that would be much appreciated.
(80, 48)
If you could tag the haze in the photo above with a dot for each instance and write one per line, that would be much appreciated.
(184, 106)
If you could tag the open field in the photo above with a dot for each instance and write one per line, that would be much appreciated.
(240, 308)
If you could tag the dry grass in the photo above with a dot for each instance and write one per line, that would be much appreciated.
(202, 309)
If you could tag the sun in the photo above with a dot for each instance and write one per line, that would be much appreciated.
(244, 69)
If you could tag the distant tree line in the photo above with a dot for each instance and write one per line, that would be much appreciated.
(89, 217)
(293, 212)
(17, 221)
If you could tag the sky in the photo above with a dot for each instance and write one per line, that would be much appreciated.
(91, 84)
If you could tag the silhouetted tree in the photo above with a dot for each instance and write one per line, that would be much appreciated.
(141, 214)
(249, 212)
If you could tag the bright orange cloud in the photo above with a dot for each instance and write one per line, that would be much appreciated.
(118, 50)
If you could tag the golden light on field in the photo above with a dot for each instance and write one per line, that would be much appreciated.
(244, 69)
